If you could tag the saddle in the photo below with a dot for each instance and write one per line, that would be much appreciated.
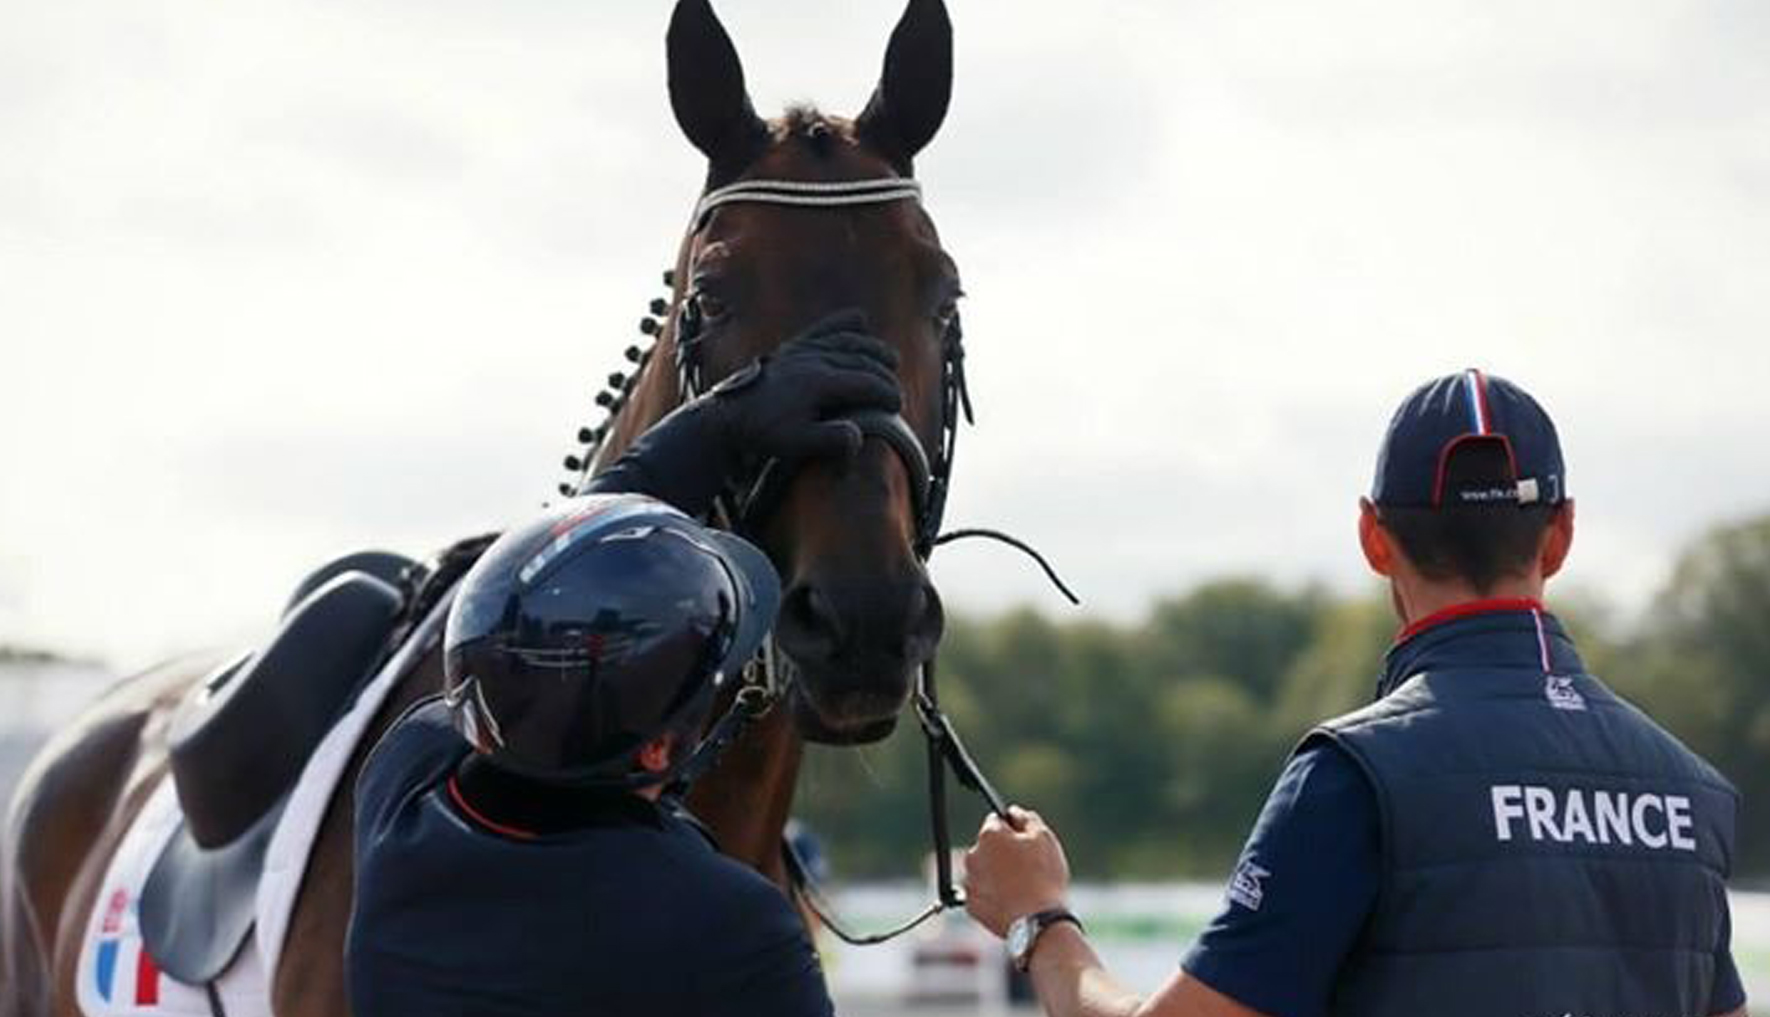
(238, 744)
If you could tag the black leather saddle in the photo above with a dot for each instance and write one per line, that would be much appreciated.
(238, 744)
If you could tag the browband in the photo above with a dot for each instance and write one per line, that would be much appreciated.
(813, 193)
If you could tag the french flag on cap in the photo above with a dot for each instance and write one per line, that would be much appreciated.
(1480, 416)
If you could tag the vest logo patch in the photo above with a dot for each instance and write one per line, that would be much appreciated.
(1244, 885)
(1559, 691)
(1653, 821)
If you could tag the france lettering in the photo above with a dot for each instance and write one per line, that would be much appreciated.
(1660, 822)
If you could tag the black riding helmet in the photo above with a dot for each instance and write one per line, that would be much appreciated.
(585, 633)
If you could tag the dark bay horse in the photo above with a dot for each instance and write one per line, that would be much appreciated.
(859, 616)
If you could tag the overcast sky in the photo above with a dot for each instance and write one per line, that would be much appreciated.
(279, 279)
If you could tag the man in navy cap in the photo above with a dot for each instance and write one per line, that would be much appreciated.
(1497, 835)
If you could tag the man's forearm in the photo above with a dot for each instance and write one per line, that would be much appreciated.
(1072, 982)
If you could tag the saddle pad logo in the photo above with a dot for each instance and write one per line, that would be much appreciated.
(1561, 694)
(123, 971)
(1244, 886)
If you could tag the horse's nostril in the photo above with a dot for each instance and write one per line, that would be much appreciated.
(808, 626)
(884, 627)
(927, 620)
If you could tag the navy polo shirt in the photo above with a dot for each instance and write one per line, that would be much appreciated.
(1307, 880)
(635, 913)
(1301, 891)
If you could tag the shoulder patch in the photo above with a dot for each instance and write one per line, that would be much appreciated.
(1245, 887)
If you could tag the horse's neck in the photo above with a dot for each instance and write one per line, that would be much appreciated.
(745, 800)
(654, 395)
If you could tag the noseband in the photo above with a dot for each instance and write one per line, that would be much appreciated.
(929, 475)
(759, 500)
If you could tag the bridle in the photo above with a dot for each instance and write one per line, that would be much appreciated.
(747, 505)
(929, 474)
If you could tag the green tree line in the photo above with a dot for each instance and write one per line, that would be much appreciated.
(1150, 746)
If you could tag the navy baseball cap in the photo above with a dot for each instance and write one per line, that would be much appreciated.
(1461, 410)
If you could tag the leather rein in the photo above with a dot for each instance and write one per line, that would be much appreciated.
(743, 508)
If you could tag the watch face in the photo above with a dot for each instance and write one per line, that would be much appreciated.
(1019, 937)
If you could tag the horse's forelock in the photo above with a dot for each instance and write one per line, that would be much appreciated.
(813, 130)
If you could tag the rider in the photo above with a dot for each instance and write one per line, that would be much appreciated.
(518, 848)
(1498, 834)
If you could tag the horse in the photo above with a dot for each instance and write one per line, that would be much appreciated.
(859, 614)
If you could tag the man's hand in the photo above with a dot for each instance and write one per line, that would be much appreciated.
(1013, 871)
(789, 404)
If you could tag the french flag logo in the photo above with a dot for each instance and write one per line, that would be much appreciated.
(119, 949)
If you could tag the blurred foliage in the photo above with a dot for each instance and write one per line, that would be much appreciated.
(1700, 664)
(1151, 745)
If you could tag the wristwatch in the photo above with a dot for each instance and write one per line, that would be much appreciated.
(1023, 934)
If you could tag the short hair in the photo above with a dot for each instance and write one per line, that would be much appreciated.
(1478, 543)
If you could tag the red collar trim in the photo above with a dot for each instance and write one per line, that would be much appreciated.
(1491, 605)
(474, 814)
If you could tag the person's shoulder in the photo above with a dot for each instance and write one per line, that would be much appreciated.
(757, 950)
(737, 881)
(1326, 765)
(417, 749)
(1325, 777)
(1671, 749)
(736, 896)
(1412, 696)
(422, 734)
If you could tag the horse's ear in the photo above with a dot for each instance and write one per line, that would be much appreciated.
(707, 86)
(915, 86)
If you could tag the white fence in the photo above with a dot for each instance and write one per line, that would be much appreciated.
(1141, 931)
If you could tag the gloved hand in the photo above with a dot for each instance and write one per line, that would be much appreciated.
(789, 405)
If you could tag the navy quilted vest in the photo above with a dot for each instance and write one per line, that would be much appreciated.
(1548, 849)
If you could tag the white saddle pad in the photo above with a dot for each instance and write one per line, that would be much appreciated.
(117, 978)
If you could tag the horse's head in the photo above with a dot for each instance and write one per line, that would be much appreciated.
(859, 616)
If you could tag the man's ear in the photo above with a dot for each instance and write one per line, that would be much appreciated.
(1379, 550)
(1557, 540)
(654, 756)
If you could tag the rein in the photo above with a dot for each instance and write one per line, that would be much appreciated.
(765, 680)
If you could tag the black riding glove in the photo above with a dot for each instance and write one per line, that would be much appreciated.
(789, 405)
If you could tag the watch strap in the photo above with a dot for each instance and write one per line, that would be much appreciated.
(1040, 921)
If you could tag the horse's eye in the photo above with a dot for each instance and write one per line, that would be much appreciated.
(712, 308)
(948, 311)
